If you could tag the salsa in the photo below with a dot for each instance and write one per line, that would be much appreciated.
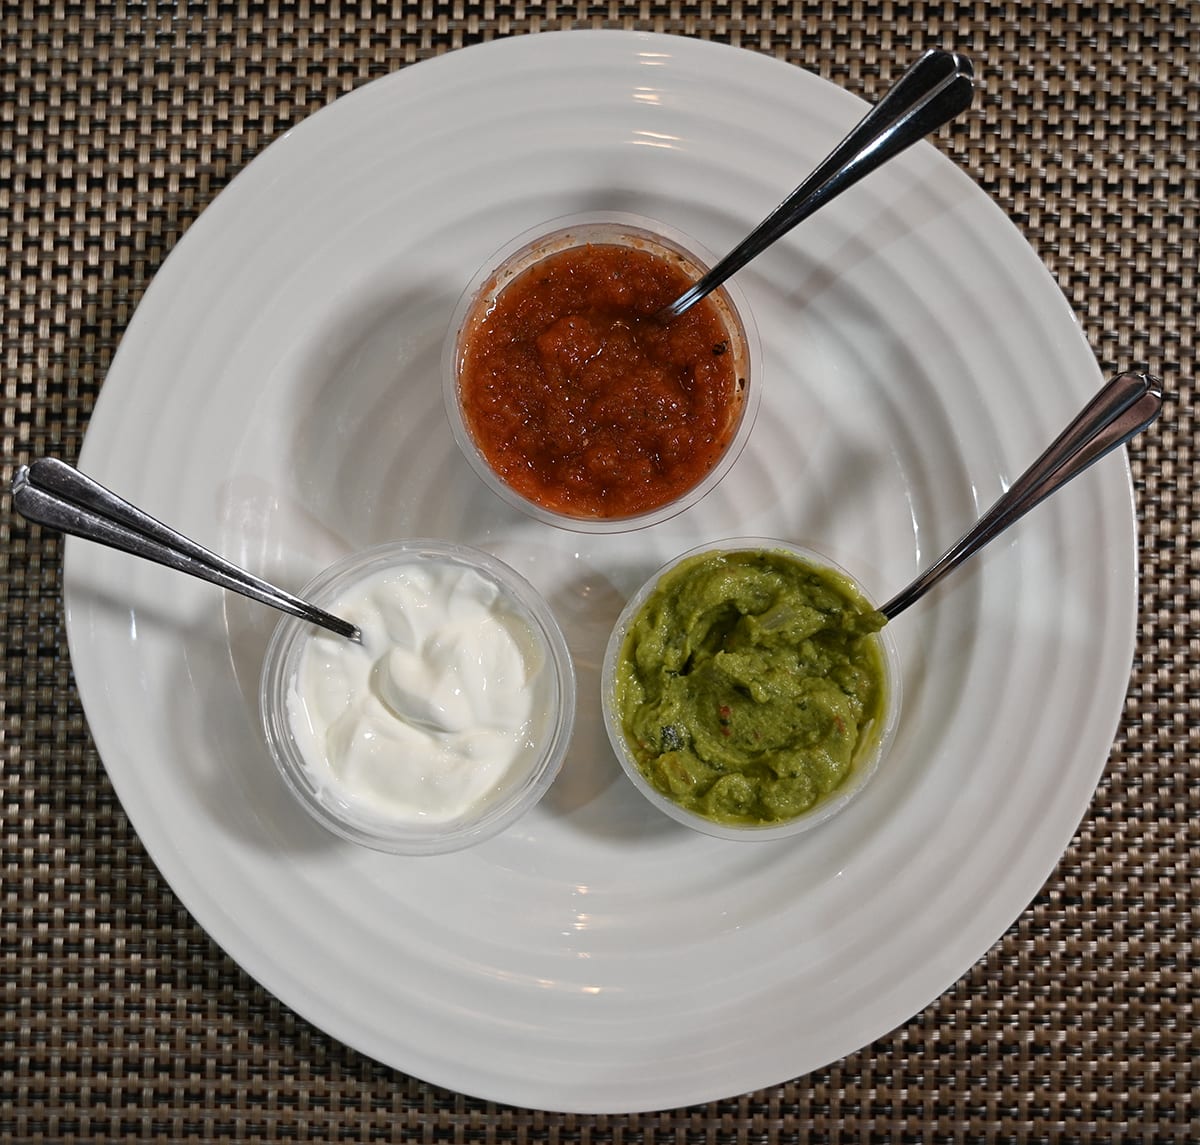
(749, 683)
(582, 401)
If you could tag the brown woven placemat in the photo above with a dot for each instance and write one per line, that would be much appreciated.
(120, 1019)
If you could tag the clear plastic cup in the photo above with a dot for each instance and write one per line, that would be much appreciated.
(874, 741)
(338, 808)
(562, 235)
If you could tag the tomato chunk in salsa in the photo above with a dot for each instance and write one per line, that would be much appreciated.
(582, 401)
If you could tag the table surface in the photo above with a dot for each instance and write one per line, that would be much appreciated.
(121, 1019)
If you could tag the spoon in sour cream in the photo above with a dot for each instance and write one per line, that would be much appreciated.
(936, 88)
(52, 493)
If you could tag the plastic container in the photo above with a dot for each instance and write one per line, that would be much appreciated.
(336, 807)
(874, 742)
(565, 234)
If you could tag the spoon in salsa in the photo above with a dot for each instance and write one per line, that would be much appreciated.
(936, 88)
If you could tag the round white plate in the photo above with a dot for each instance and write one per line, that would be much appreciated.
(277, 397)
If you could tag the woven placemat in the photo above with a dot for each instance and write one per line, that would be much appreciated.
(121, 1019)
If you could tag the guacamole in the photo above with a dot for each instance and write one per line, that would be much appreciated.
(747, 683)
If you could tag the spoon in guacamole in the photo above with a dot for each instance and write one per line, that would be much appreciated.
(751, 690)
(1125, 406)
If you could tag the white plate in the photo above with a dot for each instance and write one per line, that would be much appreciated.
(277, 396)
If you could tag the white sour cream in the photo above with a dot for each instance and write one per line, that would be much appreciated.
(439, 708)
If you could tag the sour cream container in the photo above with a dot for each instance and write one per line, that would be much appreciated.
(447, 723)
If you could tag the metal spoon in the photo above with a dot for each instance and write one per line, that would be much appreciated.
(936, 88)
(1125, 406)
(50, 492)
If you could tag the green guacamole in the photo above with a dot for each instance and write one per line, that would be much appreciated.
(746, 682)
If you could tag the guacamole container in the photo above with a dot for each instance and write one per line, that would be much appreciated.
(874, 739)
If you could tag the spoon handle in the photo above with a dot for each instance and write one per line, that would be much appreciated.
(936, 88)
(50, 492)
(1125, 406)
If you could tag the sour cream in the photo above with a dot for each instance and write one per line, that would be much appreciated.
(439, 709)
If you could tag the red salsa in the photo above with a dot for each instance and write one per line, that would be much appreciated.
(582, 401)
